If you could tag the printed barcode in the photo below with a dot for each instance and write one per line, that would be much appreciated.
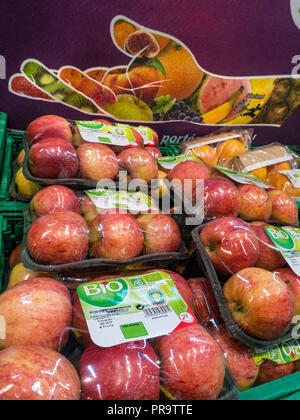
(157, 310)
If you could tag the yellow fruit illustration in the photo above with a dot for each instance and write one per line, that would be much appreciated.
(183, 75)
(218, 114)
(121, 31)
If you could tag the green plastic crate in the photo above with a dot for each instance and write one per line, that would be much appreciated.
(11, 222)
(277, 390)
(14, 144)
(3, 122)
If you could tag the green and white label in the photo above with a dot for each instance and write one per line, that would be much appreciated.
(133, 308)
(111, 135)
(293, 176)
(134, 202)
(283, 353)
(244, 178)
(170, 162)
(287, 241)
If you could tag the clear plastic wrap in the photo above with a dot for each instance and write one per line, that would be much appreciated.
(37, 373)
(184, 364)
(257, 305)
(98, 229)
(220, 146)
(82, 153)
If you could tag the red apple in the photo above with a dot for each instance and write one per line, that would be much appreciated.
(181, 285)
(116, 236)
(154, 151)
(58, 238)
(192, 364)
(139, 163)
(55, 198)
(255, 203)
(269, 258)
(88, 209)
(288, 276)
(161, 232)
(37, 312)
(97, 162)
(15, 257)
(204, 300)
(34, 373)
(53, 158)
(230, 244)
(49, 126)
(79, 325)
(260, 303)
(20, 158)
(238, 357)
(284, 208)
(221, 198)
(127, 371)
(270, 371)
(191, 172)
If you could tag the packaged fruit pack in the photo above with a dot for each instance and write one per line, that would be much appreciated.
(254, 272)
(82, 153)
(137, 339)
(205, 192)
(265, 162)
(220, 146)
(98, 229)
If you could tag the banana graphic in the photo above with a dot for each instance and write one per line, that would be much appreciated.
(218, 114)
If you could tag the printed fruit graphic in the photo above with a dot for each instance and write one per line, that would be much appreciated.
(53, 199)
(141, 82)
(284, 208)
(32, 373)
(260, 303)
(116, 235)
(97, 162)
(140, 164)
(207, 154)
(121, 30)
(58, 238)
(255, 203)
(229, 149)
(238, 357)
(128, 107)
(49, 126)
(37, 312)
(293, 281)
(230, 244)
(20, 85)
(127, 371)
(269, 258)
(53, 158)
(25, 187)
(270, 371)
(192, 364)
(142, 44)
(221, 198)
(182, 73)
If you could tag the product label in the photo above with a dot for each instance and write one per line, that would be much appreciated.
(111, 135)
(287, 240)
(293, 176)
(147, 135)
(134, 202)
(169, 162)
(244, 178)
(283, 353)
(133, 308)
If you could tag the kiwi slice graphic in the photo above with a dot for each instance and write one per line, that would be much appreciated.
(38, 74)
(58, 90)
(78, 101)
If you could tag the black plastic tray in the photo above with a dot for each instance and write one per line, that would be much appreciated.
(204, 262)
(143, 262)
